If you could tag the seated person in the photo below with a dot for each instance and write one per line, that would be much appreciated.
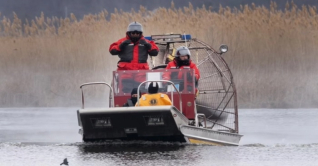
(153, 98)
(133, 100)
(182, 59)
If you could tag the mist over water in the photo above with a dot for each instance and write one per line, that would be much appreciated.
(45, 136)
(272, 52)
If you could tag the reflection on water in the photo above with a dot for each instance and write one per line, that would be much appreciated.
(271, 137)
(132, 146)
(135, 153)
(140, 153)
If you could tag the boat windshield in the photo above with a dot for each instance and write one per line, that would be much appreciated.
(124, 81)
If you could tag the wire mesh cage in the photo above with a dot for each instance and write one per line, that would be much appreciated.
(217, 97)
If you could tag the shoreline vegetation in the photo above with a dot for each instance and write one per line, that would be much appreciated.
(272, 53)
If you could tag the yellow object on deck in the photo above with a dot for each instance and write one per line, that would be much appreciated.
(156, 99)
(171, 56)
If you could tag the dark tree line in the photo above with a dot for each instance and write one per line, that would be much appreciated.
(61, 8)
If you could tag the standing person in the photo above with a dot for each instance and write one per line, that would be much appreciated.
(133, 49)
(133, 99)
(133, 52)
(153, 98)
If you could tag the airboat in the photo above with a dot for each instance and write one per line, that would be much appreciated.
(208, 115)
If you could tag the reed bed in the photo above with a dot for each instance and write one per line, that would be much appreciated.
(273, 53)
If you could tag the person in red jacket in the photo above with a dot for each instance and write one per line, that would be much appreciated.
(133, 49)
(182, 60)
(133, 52)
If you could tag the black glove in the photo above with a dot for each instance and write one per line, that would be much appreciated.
(145, 43)
(124, 44)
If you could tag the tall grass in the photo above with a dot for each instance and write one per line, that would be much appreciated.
(273, 53)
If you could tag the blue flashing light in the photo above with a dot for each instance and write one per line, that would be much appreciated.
(186, 37)
(148, 37)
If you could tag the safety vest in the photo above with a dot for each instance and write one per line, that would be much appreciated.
(133, 52)
(156, 99)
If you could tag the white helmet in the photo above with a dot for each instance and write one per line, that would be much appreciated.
(134, 26)
(182, 51)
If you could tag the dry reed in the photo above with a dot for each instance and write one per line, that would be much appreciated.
(272, 52)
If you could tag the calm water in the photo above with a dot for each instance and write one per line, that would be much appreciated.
(45, 136)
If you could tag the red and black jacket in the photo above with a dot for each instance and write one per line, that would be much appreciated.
(174, 65)
(134, 52)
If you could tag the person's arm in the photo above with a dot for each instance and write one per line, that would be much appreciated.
(196, 71)
(169, 65)
(154, 50)
(118, 46)
(166, 75)
(151, 46)
(114, 48)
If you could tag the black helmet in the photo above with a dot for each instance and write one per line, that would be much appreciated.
(153, 88)
(134, 91)
(134, 27)
(134, 99)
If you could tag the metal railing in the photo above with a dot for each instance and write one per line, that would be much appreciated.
(197, 116)
(97, 83)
